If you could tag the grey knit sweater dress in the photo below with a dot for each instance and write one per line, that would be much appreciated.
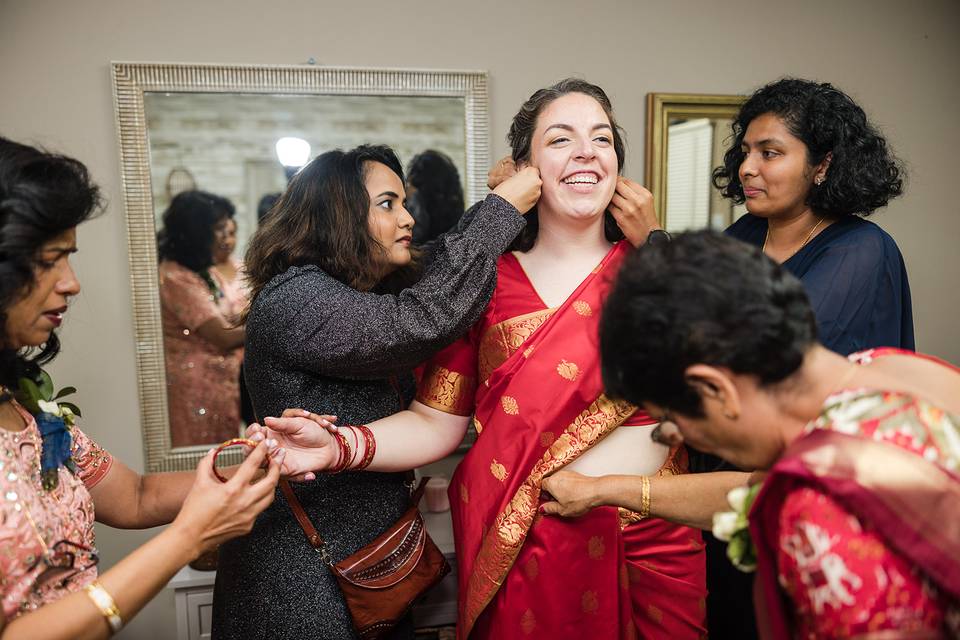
(314, 342)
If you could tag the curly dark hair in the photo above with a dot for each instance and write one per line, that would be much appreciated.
(42, 195)
(704, 298)
(520, 138)
(863, 175)
(437, 203)
(188, 228)
(322, 219)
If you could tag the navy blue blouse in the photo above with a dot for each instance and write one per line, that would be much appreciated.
(856, 280)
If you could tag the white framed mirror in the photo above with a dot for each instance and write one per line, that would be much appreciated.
(215, 128)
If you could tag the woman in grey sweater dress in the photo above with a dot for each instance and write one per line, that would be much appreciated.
(332, 330)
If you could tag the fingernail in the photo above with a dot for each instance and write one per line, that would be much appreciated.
(271, 443)
(305, 413)
(310, 476)
(257, 437)
(279, 454)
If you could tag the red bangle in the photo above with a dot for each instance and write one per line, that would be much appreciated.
(233, 442)
(345, 453)
(370, 449)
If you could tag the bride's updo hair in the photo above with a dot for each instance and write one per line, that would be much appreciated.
(520, 138)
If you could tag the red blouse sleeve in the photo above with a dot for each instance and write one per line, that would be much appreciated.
(93, 461)
(843, 580)
(449, 381)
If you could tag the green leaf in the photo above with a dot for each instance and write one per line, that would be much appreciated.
(66, 391)
(46, 385)
(72, 407)
(29, 395)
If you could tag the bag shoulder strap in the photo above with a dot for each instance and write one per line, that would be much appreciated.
(313, 536)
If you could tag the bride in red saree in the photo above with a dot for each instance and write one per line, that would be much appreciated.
(529, 373)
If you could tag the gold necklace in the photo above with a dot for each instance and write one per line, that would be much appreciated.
(802, 245)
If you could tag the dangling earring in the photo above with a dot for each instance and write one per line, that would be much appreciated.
(818, 180)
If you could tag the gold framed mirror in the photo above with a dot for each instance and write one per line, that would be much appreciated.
(686, 136)
(213, 127)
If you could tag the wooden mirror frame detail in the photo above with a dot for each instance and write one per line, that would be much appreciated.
(661, 108)
(132, 79)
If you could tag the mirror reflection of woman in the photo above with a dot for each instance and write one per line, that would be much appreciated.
(50, 586)
(856, 523)
(529, 374)
(228, 269)
(200, 310)
(340, 316)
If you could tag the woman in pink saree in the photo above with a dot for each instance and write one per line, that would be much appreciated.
(529, 374)
(857, 524)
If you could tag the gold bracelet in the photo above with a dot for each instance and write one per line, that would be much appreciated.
(104, 601)
(644, 497)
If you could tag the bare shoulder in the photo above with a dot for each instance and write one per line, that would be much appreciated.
(936, 380)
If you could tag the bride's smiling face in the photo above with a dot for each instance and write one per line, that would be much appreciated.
(573, 147)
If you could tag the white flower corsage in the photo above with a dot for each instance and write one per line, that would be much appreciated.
(733, 528)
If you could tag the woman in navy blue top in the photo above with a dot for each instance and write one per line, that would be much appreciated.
(808, 164)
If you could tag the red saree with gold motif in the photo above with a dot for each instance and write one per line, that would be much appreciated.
(530, 375)
(857, 526)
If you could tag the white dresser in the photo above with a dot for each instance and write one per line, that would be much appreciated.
(193, 590)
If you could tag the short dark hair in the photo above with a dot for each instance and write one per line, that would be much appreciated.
(322, 219)
(42, 195)
(704, 298)
(520, 138)
(863, 175)
(188, 222)
(437, 203)
(265, 205)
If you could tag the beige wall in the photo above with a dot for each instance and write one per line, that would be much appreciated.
(899, 59)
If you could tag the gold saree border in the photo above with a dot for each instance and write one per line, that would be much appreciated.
(502, 340)
(502, 543)
(447, 391)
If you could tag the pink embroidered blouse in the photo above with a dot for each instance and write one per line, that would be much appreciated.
(35, 520)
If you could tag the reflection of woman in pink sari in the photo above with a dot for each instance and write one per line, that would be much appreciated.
(203, 346)
(529, 373)
(857, 524)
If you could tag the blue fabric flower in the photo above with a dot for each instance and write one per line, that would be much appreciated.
(56, 448)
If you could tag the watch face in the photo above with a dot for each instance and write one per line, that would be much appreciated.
(658, 236)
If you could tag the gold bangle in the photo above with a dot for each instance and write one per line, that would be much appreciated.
(104, 601)
(644, 497)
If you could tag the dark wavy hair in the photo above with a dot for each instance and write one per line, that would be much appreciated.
(322, 219)
(42, 195)
(863, 175)
(188, 228)
(704, 298)
(437, 203)
(520, 138)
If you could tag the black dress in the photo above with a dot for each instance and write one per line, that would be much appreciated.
(315, 343)
(856, 280)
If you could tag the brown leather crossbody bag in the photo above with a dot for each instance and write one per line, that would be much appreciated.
(381, 581)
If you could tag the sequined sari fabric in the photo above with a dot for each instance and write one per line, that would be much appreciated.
(203, 381)
(34, 519)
